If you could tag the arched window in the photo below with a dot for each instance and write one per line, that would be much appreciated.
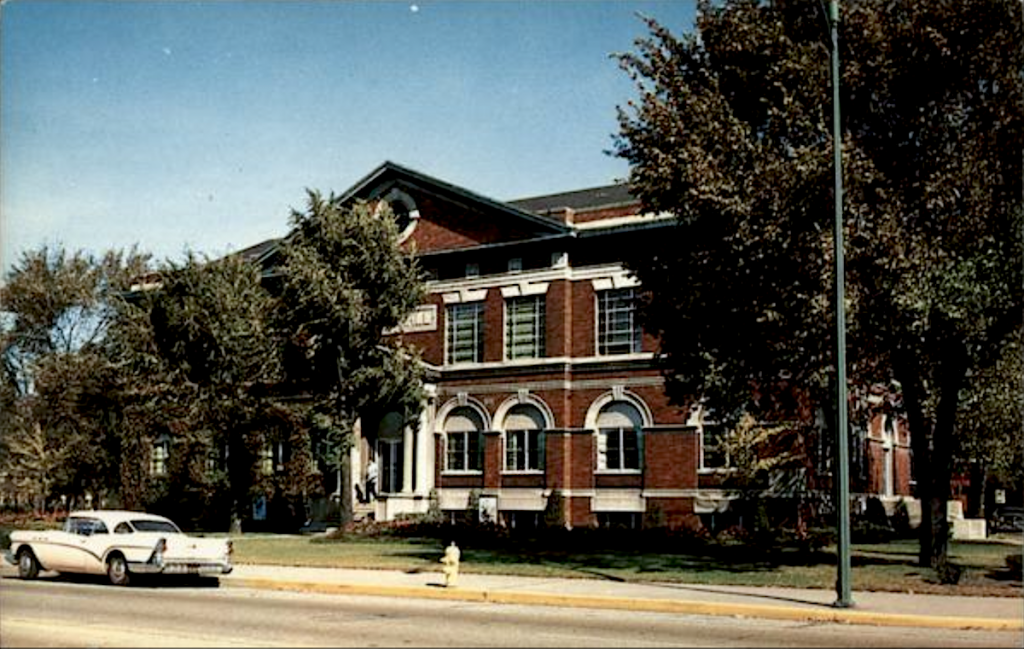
(524, 438)
(463, 428)
(619, 437)
(390, 451)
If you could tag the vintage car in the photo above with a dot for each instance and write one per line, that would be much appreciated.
(119, 544)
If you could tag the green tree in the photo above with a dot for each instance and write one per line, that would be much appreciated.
(989, 425)
(198, 364)
(731, 135)
(55, 409)
(344, 284)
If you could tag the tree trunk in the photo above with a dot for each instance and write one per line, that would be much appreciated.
(953, 369)
(908, 373)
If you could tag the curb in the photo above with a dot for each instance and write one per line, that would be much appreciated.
(840, 616)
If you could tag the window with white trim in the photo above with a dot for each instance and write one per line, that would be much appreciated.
(465, 332)
(158, 458)
(524, 439)
(618, 449)
(713, 451)
(619, 438)
(463, 451)
(617, 329)
(463, 445)
(524, 327)
(523, 450)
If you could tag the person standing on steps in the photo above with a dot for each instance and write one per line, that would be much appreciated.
(371, 480)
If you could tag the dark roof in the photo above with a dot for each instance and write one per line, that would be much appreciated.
(580, 199)
(256, 252)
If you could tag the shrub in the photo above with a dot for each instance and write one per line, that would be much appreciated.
(1013, 565)
(901, 520)
(948, 572)
(434, 514)
(554, 511)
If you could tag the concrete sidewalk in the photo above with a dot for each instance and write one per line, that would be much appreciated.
(880, 609)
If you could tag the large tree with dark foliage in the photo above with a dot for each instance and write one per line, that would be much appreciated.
(196, 358)
(731, 134)
(344, 285)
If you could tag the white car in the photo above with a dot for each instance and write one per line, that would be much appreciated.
(118, 544)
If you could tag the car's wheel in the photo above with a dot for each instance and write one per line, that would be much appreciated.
(117, 570)
(28, 567)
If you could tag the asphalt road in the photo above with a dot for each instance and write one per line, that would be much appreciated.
(60, 612)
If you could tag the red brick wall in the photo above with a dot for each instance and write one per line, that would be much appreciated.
(492, 460)
(583, 322)
(494, 326)
(556, 453)
(445, 226)
(558, 314)
(670, 460)
(605, 213)
(582, 465)
(431, 343)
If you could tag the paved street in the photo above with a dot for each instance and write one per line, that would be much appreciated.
(86, 612)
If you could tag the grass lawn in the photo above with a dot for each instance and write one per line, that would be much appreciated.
(875, 567)
(879, 567)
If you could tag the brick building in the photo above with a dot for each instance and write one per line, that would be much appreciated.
(541, 380)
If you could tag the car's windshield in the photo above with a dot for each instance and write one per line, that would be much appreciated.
(150, 525)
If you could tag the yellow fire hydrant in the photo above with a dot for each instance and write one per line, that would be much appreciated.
(450, 564)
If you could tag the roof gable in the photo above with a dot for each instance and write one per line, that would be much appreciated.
(451, 217)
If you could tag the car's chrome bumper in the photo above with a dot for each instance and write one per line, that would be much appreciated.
(180, 568)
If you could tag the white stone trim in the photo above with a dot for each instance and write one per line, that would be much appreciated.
(618, 500)
(590, 422)
(517, 399)
(561, 384)
(619, 221)
(523, 289)
(459, 401)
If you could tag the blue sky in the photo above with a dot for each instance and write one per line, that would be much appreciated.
(198, 125)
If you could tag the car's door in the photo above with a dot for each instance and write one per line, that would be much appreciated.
(96, 540)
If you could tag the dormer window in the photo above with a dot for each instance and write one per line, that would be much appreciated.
(472, 270)
(515, 264)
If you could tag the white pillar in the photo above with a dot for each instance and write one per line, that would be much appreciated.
(407, 453)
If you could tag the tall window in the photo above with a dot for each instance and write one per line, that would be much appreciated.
(619, 438)
(463, 452)
(619, 449)
(523, 450)
(712, 445)
(267, 459)
(390, 466)
(462, 436)
(465, 332)
(390, 452)
(617, 328)
(524, 439)
(524, 327)
(158, 458)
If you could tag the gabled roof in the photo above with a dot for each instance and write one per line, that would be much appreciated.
(389, 174)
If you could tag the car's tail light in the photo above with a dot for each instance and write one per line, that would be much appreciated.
(158, 552)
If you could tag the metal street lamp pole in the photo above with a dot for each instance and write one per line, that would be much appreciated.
(844, 597)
